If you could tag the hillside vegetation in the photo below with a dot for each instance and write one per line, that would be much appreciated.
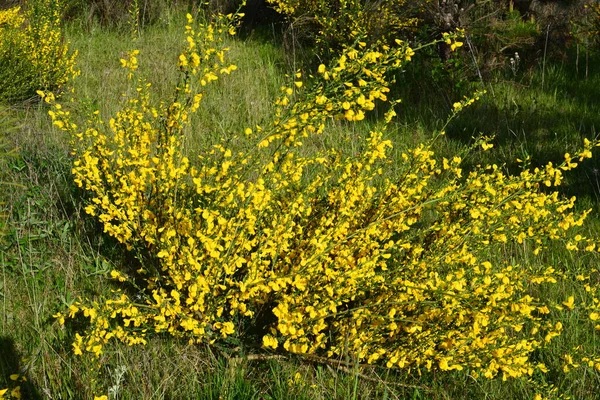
(299, 199)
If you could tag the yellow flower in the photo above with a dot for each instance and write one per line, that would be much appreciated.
(456, 45)
(570, 303)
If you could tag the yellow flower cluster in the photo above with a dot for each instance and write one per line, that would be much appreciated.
(15, 392)
(342, 22)
(323, 253)
(11, 18)
(346, 90)
(451, 39)
(33, 53)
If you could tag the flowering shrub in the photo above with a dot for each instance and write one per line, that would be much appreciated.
(323, 254)
(342, 22)
(33, 54)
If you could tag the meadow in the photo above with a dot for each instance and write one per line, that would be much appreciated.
(55, 256)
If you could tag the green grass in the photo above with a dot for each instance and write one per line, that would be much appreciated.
(51, 253)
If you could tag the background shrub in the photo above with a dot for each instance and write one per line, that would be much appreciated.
(332, 25)
(33, 53)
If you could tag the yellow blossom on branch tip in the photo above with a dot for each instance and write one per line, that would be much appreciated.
(455, 45)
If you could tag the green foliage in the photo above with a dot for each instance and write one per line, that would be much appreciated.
(586, 27)
(8, 125)
(3, 156)
(498, 41)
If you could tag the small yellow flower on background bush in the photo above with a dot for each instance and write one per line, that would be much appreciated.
(13, 392)
(33, 53)
(323, 253)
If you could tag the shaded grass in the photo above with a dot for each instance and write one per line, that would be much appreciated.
(526, 118)
(52, 253)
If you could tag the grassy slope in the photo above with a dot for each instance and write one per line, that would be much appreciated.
(53, 253)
